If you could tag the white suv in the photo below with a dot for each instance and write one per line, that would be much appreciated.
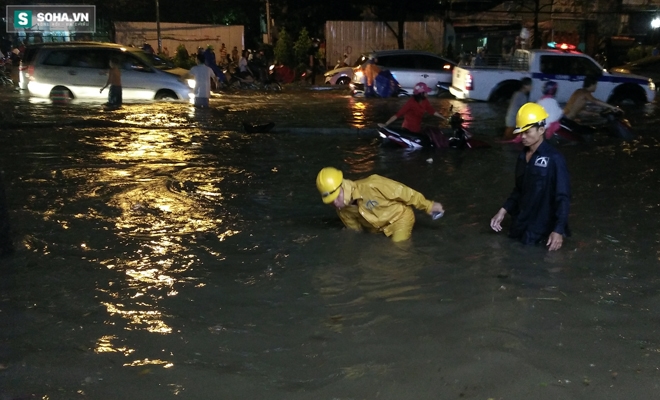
(79, 70)
(410, 67)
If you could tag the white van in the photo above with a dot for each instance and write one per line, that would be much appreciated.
(79, 70)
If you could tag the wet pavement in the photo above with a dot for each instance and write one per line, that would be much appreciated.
(161, 252)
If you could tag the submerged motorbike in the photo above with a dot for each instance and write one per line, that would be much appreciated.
(433, 138)
(617, 126)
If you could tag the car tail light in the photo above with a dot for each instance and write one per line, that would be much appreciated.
(468, 82)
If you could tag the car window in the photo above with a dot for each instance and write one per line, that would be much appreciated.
(429, 62)
(555, 65)
(584, 66)
(563, 65)
(130, 61)
(398, 61)
(159, 62)
(89, 58)
(57, 58)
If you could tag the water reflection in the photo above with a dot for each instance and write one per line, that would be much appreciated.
(210, 249)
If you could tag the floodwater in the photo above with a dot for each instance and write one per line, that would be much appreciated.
(163, 253)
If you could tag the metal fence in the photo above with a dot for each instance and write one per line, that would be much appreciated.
(357, 37)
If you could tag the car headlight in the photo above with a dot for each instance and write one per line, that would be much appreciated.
(191, 83)
(358, 75)
(651, 85)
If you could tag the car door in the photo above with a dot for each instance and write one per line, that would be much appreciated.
(138, 78)
(402, 67)
(88, 71)
(433, 70)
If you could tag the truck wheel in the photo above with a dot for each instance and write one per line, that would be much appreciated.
(504, 93)
(628, 95)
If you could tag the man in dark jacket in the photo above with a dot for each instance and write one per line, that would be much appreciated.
(540, 200)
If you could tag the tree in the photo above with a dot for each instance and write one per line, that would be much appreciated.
(301, 47)
(284, 49)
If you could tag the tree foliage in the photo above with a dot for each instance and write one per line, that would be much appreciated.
(301, 47)
(284, 49)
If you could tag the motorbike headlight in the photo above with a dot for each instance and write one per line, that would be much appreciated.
(191, 83)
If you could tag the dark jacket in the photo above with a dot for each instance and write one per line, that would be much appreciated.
(540, 200)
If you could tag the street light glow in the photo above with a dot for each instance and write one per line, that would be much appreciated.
(655, 23)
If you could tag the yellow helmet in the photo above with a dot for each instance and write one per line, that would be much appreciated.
(328, 182)
(530, 114)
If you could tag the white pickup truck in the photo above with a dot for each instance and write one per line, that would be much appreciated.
(567, 68)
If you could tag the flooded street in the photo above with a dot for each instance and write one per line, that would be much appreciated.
(161, 252)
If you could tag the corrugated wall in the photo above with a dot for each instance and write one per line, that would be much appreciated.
(173, 34)
(357, 37)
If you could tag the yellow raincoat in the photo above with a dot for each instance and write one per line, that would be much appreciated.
(379, 204)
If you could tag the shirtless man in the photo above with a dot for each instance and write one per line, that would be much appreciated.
(578, 101)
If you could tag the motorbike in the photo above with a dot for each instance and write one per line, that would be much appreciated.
(263, 79)
(433, 138)
(618, 125)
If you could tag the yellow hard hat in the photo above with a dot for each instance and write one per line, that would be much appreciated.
(530, 114)
(328, 182)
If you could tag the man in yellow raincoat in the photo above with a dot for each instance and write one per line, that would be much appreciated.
(375, 204)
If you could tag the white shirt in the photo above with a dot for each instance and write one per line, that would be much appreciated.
(242, 64)
(551, 106)
(203, 75)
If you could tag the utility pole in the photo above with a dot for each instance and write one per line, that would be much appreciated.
(269, 40)
(160, 40)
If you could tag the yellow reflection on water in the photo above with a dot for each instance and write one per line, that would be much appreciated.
(150, 319)
(146, 361)
(104, 345)
(358, 112)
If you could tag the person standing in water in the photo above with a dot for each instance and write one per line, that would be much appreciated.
(540, 200)
(517, 100)
(114, 81)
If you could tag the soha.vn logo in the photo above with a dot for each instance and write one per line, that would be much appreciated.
(23, 18)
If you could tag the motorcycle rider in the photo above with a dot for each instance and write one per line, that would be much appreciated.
(414, 109)
(375, 204)
(550, 105)
(371, 71)
(576, 104)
